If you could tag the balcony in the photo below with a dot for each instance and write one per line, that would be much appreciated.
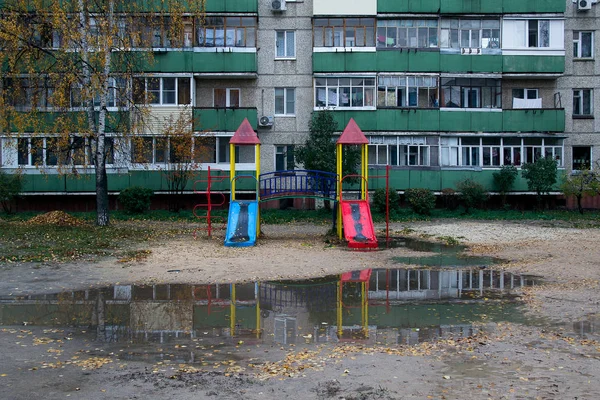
(470, 7)
(216, 60)
(212, 6)
(454, 120)
(223, 119)
(46, 121)
(432, 60)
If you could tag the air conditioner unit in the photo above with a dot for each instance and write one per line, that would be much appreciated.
(584, 5)
(265, 121)
(278, 5)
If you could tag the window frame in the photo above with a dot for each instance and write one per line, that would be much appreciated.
(578, 45)
(324, 27)
(286, 102)
(228, 97)
(161, 91)
(285, 55)
(579, 94)
(350, 90)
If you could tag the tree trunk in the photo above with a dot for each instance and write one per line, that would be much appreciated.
(579, 207)
(100, 318)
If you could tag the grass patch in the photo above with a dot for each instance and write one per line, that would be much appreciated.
(41, 243)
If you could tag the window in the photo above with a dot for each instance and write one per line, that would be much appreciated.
(471, 93)
(582, 102)
(284, 157)
(53, 151)
(399, 151)
(285, 41)
(472, 33)
(344, 32)
(582, 158)
(25, 93)
(526, 94)
(583, 44)
(407, 33)
(226, 98)
(227, 32)
(494, 152)
(285, 101)
(407, 91)
(345, 92)
(162, 91)
(538, 33)
(526, 98)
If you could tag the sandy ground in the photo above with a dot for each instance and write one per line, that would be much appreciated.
(509, 361)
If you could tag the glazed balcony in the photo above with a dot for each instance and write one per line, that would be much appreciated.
(471, 6)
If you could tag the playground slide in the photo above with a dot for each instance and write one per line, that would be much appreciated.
(241, 224)
(358, 224)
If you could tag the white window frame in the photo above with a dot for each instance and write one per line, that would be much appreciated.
(228, 96)
(285, 55)
(161, 90)
(449, 145)
(579, 94)
(336, 88)
(286, 100)
(577, 45)
(538, 45)
(526, 91)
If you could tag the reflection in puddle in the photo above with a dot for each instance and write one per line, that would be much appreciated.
(375, 306)
(444, 255)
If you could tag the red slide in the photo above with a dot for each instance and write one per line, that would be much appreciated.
(358, 224)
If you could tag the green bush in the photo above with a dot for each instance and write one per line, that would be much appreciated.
(136, 199)
(421, 201)
(10, 187)
(472, 194)
(379, 200)
(450, 199)
(504, 180)
(540, 176)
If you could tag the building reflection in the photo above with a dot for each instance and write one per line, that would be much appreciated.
(386, 306)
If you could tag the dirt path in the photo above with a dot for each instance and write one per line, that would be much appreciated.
(506, 361)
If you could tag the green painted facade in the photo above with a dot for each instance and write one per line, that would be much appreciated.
(223, 119)
(415, 60)
(52, 122)
(213, 61)
(470, 6)
(434, 120)
(401, 178)
(155, 180)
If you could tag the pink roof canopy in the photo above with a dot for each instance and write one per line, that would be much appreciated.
(352, 134)
(245, 135)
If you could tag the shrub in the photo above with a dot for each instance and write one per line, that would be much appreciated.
(10, 187)
(379, 200)
(504, 180)
(540, 176)
(421, 201)
(450, 198)
(472, 194)
(135, 199)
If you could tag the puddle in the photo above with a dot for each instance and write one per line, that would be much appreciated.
(588, 328)
(403, 306)
(444, 255)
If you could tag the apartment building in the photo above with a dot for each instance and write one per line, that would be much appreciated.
(442, 89)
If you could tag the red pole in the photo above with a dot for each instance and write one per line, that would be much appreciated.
(387, 205)
(208, 184)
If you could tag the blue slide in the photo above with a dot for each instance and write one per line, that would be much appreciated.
(241, 224)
